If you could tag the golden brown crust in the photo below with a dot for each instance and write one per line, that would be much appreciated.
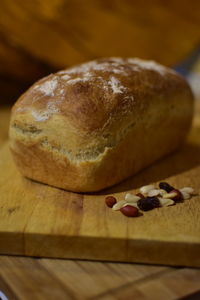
(91, 126)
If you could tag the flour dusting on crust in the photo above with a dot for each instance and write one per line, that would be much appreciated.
(116, 86)
(48, 87)
(41, 116)
(107, 74)
(114, 65)
(65, 77)
(148, 65)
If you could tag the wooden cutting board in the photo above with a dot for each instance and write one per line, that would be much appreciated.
(38, 220)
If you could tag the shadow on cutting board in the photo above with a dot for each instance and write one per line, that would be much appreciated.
(181, 161)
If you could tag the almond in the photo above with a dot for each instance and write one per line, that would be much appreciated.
(131, 198)
(185, 195)
(154, 192)
(166, 202)
(170, 195)
(146, 188)
(119, 205)
(188, 190)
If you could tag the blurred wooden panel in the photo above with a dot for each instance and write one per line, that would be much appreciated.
(18, 69)
(40, 36)
(16, 63)
(63, 32)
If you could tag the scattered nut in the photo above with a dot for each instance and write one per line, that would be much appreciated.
(188, 190)
(185, 195)
(131, 204)
(129, 211)
(153, 193)
(166, 202)
(119, 205)
(176, 195)
(148, 198)
(110, 201)
(156, 192)
(162, 192)
(146, 188)
(170, 195)
(131, 198)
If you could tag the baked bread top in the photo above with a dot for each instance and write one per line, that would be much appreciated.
(83, 110)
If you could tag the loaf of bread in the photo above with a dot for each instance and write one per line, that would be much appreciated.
(91, 126)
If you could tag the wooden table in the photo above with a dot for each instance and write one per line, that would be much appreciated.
(40, 278)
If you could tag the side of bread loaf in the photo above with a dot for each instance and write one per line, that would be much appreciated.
(89, 127)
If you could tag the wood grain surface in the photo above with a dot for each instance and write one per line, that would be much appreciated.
(38, 220)
(38, 279)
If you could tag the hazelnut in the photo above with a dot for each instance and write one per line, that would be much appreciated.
(110, 201)
(129, 211)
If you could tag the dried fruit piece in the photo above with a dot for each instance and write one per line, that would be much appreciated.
(185, 195)
(166, 186)
(146, 188)
(187, 189)
(119, 205)
(110, 201)
(131, 198)
(166, 202)
(148, 203)
(129, 211)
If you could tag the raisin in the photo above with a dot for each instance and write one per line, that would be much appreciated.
(148, 203)
(166, 186)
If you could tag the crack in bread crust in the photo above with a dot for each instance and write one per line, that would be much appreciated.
(82, 155)
(27, 130)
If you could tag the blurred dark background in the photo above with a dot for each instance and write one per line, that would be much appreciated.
(41, 36)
